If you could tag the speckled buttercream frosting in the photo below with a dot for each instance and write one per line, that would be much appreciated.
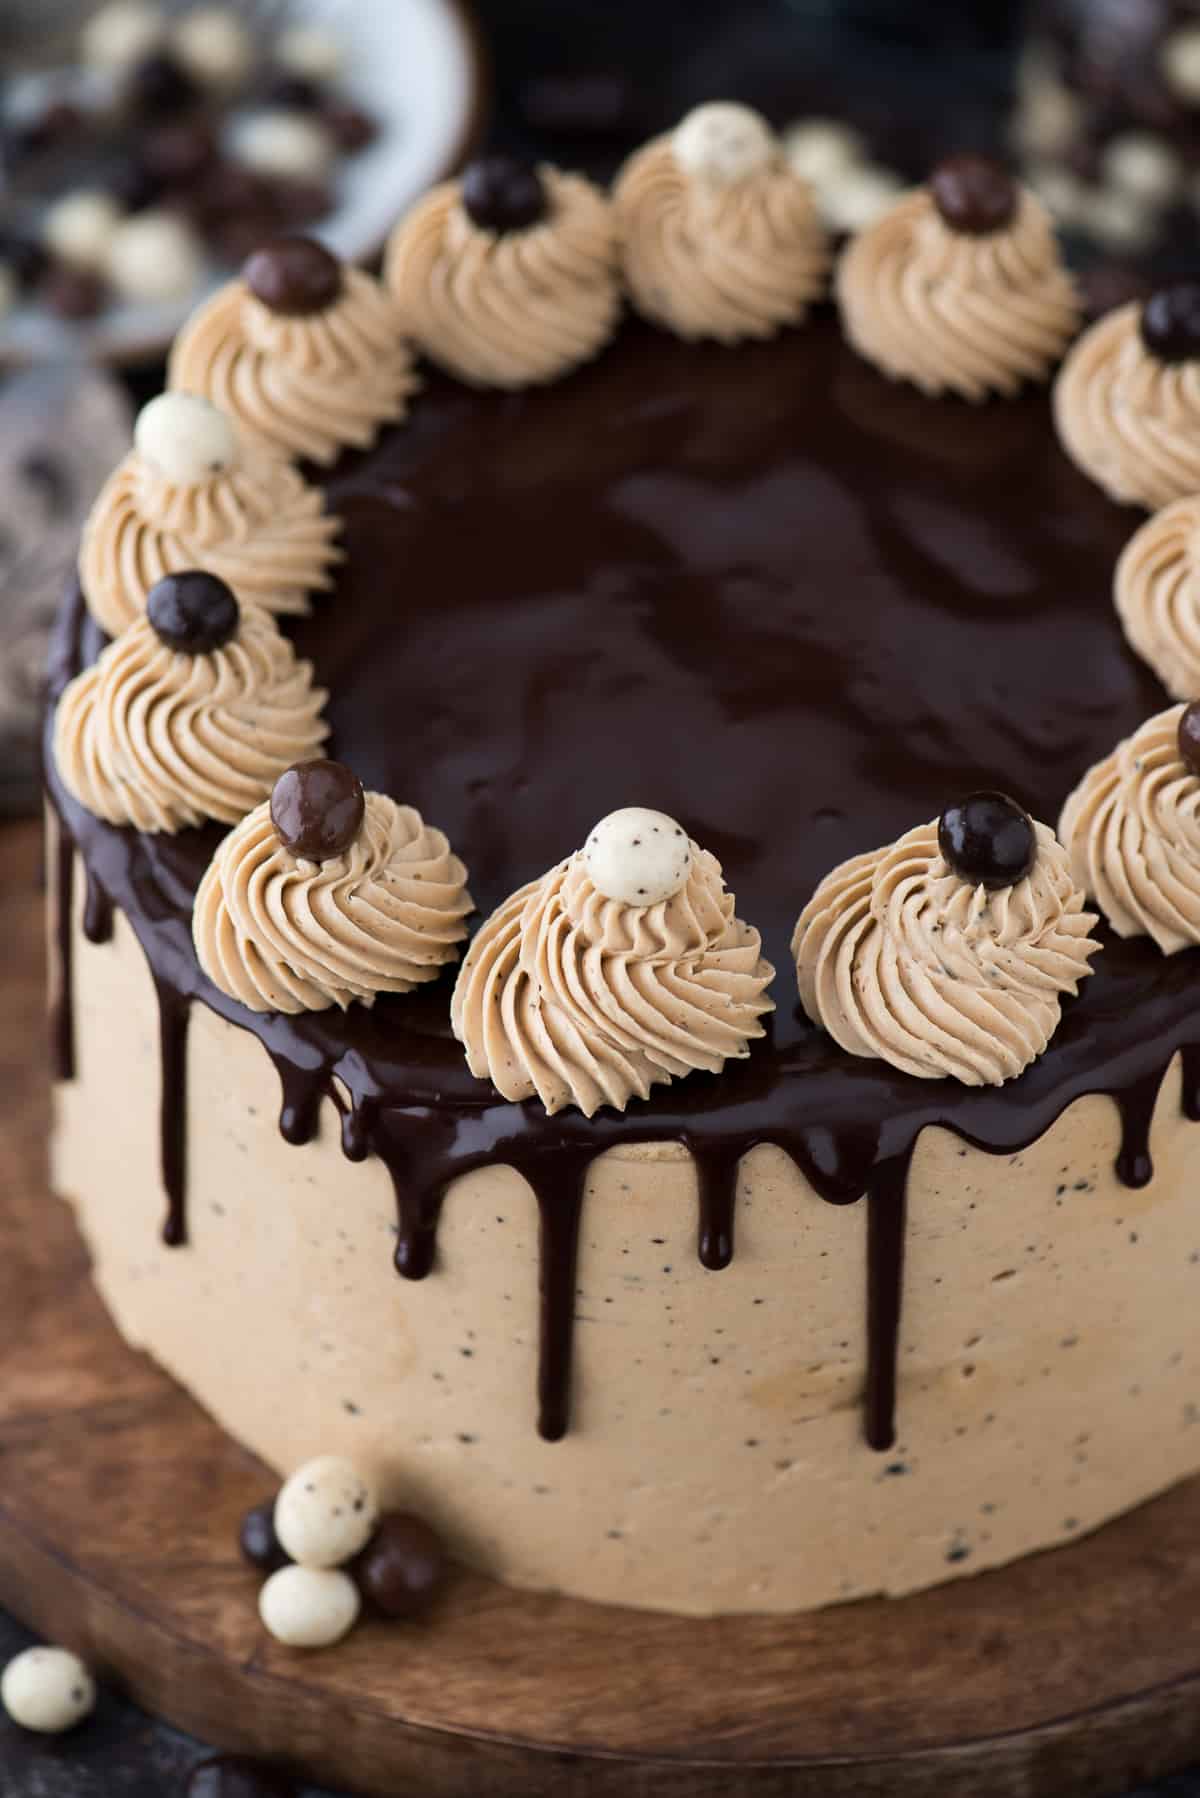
(190, 494)
(720, 237)
(302, 353)
(1127, 402)
(960, 287)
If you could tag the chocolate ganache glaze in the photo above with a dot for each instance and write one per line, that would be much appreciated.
(794, 604)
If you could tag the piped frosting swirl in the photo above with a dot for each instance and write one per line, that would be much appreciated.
(957, 311)
(585, 1000)
(280, 933)
(161, 740)
(1130, 420)
(716, 252)
(901, 960)
(1132, 830)
(1158, 595)
(304, 384)
(257, 523)
(508, 308)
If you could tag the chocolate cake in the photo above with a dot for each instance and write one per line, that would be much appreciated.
(759, 1321)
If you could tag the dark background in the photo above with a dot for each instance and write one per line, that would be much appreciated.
(582, 81)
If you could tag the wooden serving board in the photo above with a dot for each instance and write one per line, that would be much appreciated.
(1074, 1672)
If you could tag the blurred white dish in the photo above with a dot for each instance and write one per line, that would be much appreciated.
(414, 66)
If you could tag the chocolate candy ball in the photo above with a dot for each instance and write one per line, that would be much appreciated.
(1171, 322)
(229, 1776)
(295, 276)
(257, 1540)
(1189, 737)
(988, 839)
(350, 127)
(160, 86)
(74, 293)
(974, 194)
(317, 809)
(501, 193)
(403, 1566)
(194, 611)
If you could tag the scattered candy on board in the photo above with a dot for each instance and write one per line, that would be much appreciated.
(325, 1548)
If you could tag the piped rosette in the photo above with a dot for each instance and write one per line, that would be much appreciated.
(304, 353)
(720, 238)
(1127, 402)
(960, 287)
(509, 276)
(1132, 830)
(326, 895)
(623, 968)
(190, 715)
(191, 494)
(1158, 595)
(948, 952)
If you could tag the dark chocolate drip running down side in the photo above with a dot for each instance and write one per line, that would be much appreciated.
(796, 606)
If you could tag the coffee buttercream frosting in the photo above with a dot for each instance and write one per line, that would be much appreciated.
(1130, 419)
(1132, 830)
(958, 311)
(587, 1000)
(161, 739)
(508, 308)
(180, 501)
(306, 384)
(282, 933)
(1158, 595)
(720, 238)
(902, 960)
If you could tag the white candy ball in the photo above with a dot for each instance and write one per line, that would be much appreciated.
(213, 45)
(637, 856)
(47, 1690)
(1118, 221)
(309, 1607)
(185, 438)
(1144, 167)
(79, 227)
(858, 197)
(1048, 117)
(1061, 190)
(310, 52)
(723, 142)
(285, 145)
(819, 149)
(326, 1512)
(121, 34)
(154, 256)
(1180, 59)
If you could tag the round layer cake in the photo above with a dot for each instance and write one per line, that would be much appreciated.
(799, 1331)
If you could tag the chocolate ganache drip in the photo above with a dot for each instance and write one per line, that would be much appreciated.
(655, 551)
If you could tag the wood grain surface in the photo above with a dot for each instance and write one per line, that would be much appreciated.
(1074, 1672)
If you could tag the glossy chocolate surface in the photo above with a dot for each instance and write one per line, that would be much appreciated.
(797, 607)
